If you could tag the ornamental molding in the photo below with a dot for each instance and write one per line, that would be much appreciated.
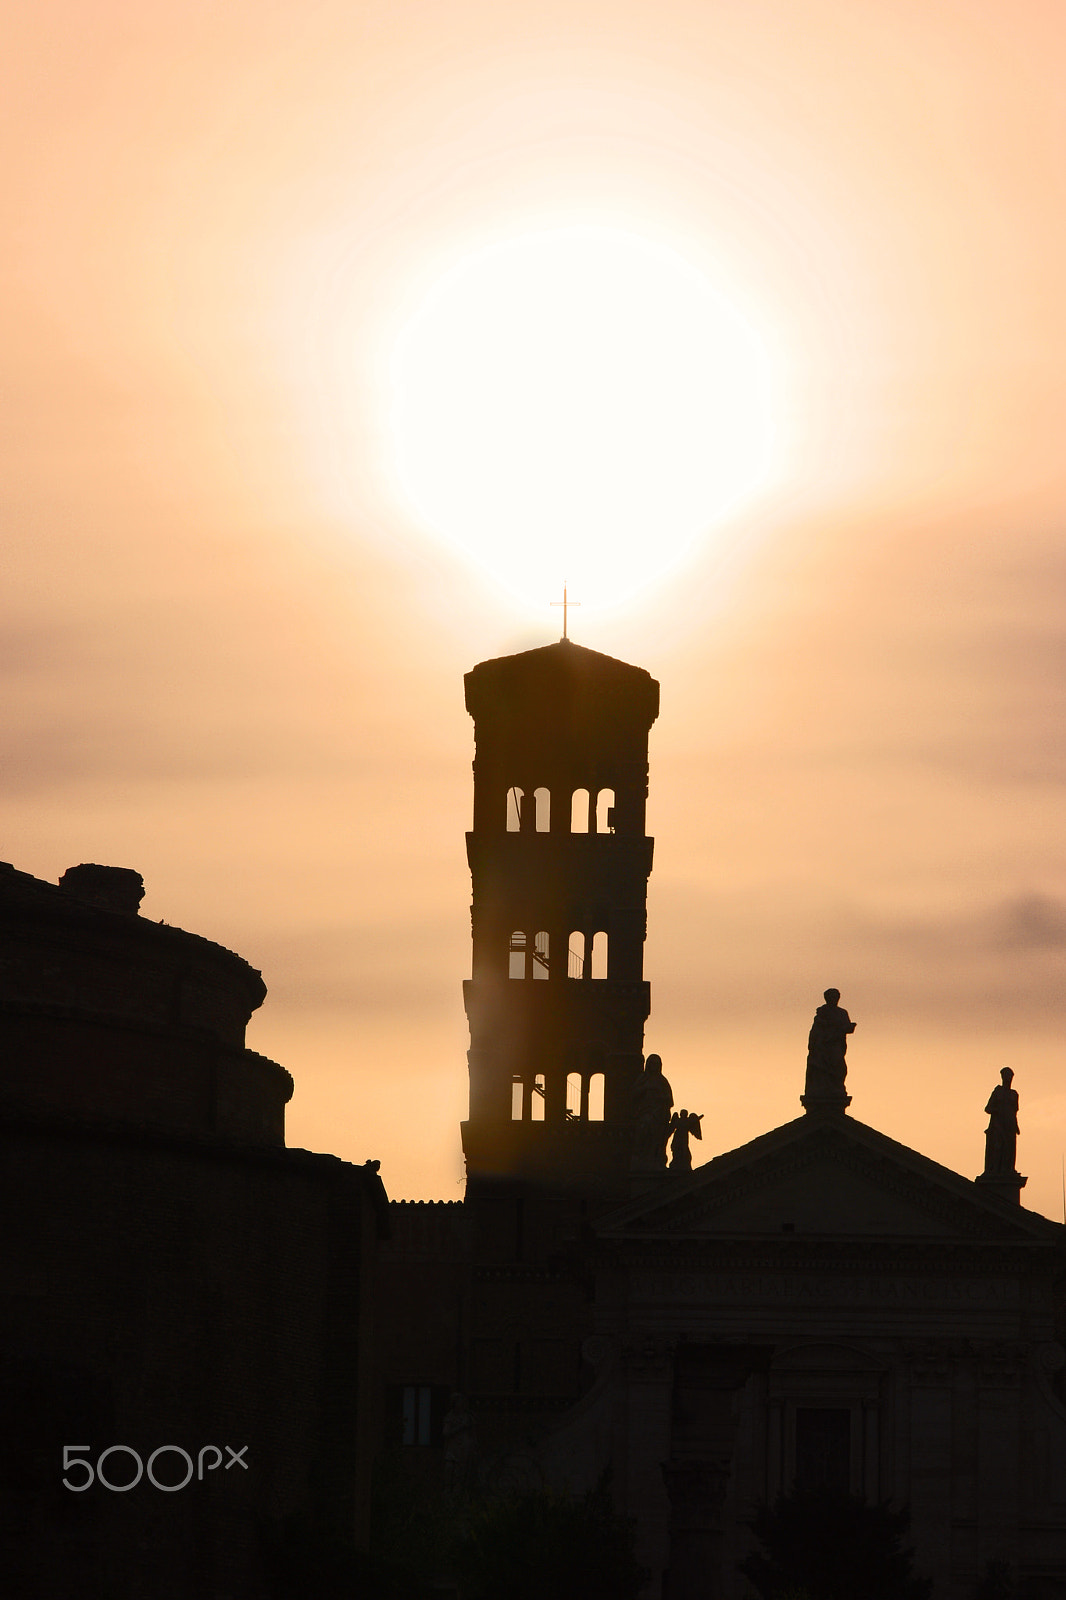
(523, 1274)
(519, 1403)
(797, 1291)
(862, 1257)
(996, 1363)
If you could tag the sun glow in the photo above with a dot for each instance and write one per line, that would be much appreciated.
(580, 403)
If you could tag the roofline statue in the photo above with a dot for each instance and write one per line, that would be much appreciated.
(682, 1125)
(1001, 1140)
(827, 1046)
(652, 1105)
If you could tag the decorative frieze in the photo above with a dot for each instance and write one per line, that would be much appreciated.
(888, 1290)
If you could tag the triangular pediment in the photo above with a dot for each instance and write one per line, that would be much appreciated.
(828, 1177)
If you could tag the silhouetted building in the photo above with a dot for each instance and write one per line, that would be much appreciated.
(184, 1298)
(822, 1309)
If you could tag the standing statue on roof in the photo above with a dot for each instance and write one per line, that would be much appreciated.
(1001, 1135)
(826, 1050)
(653, 1101)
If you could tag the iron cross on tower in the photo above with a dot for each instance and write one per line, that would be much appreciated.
(565, 603)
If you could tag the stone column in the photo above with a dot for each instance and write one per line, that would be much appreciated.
(775, 1449)
(697, 1490)
(871, 1452)
(929, 1486)
(648, 1376)
(999, 1367)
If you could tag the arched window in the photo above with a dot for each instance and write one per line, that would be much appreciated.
(542, 800)
(575, 956)
(514, 810)
(540, 955)
(518, 1099)
(517, 951)
(605, 811)
(596, 1097)
(573, 1096)
(536, 1105)
(599, 955)
(579, 811)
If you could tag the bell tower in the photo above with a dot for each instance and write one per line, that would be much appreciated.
(559, 862)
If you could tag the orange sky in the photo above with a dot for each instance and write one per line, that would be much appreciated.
(231, 662)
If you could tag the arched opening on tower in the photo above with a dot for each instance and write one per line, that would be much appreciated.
(536, 1104)
(573, 1096)
(596, 1097)
(517, 955)
(599, 955)
(514, 810)
(575, 959)
(540, 955)
(518, 1099)
(579, 811)
(542, 802)
(605, 811)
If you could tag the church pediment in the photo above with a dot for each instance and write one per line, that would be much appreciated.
(829, 1177)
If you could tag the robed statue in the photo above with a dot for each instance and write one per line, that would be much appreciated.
(1001, 1135)
(652, 1104)
(827, 1047)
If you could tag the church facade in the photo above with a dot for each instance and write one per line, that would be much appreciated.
(826, 1310)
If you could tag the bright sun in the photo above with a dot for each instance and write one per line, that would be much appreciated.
(579, 404)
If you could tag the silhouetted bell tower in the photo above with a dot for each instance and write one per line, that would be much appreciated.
(559, 861)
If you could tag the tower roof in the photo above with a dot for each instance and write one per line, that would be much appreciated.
(568, 680)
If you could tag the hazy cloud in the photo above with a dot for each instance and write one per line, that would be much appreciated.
(376, 967)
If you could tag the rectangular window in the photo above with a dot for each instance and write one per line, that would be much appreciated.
(414, 1413)
(823, 1450)
(417, 1409)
